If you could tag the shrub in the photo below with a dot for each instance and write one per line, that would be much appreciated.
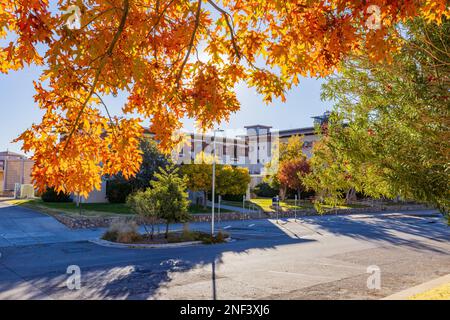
(50, 195)
(118, 191)
(128, 237)
(110, 236)
(231, 197)
(124, 232)
(218, 238)
(265, 190)
(183, 237)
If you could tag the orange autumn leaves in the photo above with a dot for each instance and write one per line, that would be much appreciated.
(174, 59)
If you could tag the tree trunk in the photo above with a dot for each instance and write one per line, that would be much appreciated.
(350, 196)
(186, 228)
(146, 230)
(153, 231)
(205, 199)
(167, 230)
(283, 191)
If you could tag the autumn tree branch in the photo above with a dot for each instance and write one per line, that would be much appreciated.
(108, 53)
(158, 19)
(230, 26)
(107, 112)
(191, 42)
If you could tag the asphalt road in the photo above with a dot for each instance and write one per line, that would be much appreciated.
(316, 257)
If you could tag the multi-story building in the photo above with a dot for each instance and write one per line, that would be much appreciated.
(252, 148)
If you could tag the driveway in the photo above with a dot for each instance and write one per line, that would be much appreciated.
(20, 226)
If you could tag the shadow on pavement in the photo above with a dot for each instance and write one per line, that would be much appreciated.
(387, 229)
(111, 273)
(122, 273)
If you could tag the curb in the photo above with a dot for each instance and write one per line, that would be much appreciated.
(110, 244)
(405, 294)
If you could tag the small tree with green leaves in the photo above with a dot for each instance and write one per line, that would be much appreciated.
(142, 203)
(168, 191)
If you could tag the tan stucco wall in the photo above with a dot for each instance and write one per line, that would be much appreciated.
(17, 171)
(97, 196)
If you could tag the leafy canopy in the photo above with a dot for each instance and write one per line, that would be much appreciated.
(291, 173)
(152, 160)
(154, 50)
(288, 151)
(389, 134)
(230, 180)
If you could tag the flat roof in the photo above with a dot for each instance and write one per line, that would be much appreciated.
(10, 153)
(299, 131)
(258, 126)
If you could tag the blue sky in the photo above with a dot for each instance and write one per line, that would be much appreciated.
(19, 111)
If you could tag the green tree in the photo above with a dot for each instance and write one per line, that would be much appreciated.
(264, 189)
(292, 149)
(168, 192)
(199, 177)
(232, 180)
(152, 159)
(389, 133)
(334, 177)
(142, 202)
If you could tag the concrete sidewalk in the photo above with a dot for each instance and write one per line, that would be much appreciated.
(231, 208)
(22, 226)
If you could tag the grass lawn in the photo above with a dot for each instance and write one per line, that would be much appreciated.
(88, 209)
(194, 208)
(70, 208)
(264, 204)
(289, 204)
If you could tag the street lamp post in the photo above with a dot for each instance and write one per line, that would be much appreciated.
(213, 180)
(243, 207)
(218, 210)
(295, 209)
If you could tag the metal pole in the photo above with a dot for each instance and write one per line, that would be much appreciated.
(243, 206)
(295, 209)
(213, 182)
(218, 210)
(278, 206)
